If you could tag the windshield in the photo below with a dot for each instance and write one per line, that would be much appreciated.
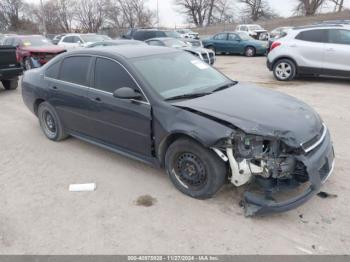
(244, 36)
(174, 43)
(179, 74)
(94, 38)
(172, 34)
(35, 41)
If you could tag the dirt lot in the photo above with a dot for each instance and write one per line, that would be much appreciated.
(38, 214)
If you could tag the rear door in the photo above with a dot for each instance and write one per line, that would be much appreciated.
(122, 123)
(68, 83)
(309, 46)
(220, 42)
(234, 43)
(337, 54)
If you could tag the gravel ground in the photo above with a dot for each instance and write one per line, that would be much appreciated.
(135, 208)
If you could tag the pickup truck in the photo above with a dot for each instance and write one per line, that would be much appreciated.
(10, 68)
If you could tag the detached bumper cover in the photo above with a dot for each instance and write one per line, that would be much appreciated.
(319, 164)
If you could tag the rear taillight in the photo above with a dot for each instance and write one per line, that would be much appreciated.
(274, 45)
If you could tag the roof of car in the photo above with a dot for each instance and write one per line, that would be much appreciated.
(126, 51)
(163, 38)
(318, 26)
(25, 36)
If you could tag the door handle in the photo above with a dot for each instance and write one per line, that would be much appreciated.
(294, 45)
(330, 49)
(96, 99)
(54, 87)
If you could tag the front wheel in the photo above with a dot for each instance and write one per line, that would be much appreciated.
(194, 170)
(50, 123)
(10, 84)
(284, 70)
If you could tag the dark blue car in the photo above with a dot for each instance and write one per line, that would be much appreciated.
(236, 43)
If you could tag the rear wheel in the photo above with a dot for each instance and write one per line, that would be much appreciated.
(249, 51)
(193, 169)
(10, 84)
(284, 70)
(50, 122)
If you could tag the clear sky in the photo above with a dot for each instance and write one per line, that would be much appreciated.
(170, 17)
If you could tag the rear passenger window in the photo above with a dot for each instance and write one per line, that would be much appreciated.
(53, 71)
(220, 37)
(109, 76)
(75, 69)
(68, 39)
(318, 36)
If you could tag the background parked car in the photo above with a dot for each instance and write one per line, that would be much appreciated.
(255, 31)
(311, 50)
(115, 43)
(10, 69)
(188, 33)
(57, 38)
(278, 33)
(33, 50)
(206, 55)
(235, 43)
(81, 40)
(145, 34)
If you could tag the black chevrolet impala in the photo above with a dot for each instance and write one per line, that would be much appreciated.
(169, 109)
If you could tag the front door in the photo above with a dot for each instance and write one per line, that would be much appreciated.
(234, 43)
(337, 53)
(125, 124)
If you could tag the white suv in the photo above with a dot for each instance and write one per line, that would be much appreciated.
(312, 50)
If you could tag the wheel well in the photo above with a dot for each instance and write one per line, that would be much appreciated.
(249, 46)
(164, 145)
(36, 105)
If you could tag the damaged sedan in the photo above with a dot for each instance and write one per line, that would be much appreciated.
(169, 109)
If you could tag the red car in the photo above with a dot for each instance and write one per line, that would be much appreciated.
(33, 50)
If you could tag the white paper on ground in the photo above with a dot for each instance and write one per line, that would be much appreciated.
(82, 187)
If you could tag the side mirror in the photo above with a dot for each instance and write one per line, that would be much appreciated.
(126, 93)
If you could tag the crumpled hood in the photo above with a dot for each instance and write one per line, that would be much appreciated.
(260, 111)
(44, 49)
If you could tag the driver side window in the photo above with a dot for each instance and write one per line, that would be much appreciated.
(110, 76)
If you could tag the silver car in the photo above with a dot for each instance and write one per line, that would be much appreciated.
(312, 51)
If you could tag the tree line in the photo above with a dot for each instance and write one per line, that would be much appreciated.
(63, 16)
(92, 15)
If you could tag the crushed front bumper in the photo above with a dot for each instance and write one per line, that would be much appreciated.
(319, 165)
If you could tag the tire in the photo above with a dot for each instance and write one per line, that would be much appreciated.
(27, 64)
(194, 170)
(284, 70)
(50, 123)
(249, 51)
(10, 84)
